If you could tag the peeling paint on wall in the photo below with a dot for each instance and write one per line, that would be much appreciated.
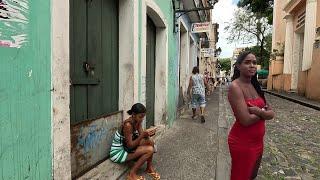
(89, 140)
(13, 23)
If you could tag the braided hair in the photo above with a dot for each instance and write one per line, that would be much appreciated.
(254, 80)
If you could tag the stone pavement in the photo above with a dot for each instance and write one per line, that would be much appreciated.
(294, 97)
(189, 149)
(292, 142)
(225, 122)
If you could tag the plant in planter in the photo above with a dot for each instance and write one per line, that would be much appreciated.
(278, 53)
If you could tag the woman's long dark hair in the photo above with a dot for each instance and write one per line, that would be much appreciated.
(254, 80)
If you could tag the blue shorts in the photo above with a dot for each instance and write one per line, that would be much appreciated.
(198, 100)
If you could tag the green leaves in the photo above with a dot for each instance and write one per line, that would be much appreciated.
(261, 8)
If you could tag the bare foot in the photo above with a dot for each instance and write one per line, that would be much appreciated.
(150, 169)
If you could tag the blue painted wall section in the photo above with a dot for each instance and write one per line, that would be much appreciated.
(91, 139)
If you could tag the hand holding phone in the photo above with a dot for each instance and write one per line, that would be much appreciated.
(152, 131)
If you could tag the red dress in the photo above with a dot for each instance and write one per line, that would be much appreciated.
(246, 145)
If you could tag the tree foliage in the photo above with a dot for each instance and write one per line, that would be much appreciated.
(265, 52)
(261, 8)
(225, 64)
(247, 28)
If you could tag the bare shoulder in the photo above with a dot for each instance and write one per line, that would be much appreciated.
(127, 124)
(234, 89)
(234, 86)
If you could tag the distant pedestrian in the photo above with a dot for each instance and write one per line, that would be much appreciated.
(131, 142)
(228, 80)
(251, 110)
(197, 85)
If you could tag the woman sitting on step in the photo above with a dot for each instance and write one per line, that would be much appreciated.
(131, 142)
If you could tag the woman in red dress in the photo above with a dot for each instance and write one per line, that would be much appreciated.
(250, 110)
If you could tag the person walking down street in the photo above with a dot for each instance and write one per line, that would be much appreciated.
(131, 142)
(250, 109)
(228, 80)
(197, 84)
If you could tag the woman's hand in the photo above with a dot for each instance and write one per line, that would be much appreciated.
(145, 134)
(255, 110)
(265, 113)
(151, 132)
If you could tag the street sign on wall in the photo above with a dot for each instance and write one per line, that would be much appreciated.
(200, 27)
(207, 52)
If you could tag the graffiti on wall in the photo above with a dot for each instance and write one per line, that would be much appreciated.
(13, 23)
(89, 139)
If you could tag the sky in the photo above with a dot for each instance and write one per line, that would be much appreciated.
(222, 13)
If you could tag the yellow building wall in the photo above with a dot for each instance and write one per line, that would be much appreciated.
(313, 88)
(279, 25)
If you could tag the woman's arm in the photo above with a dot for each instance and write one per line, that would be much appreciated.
(127, 132)
(266, 113)
(239, 106)
(140, 130)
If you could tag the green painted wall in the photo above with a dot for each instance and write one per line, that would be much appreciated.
(167, 9)
(25, 96)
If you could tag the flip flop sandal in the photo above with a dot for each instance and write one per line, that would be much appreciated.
(154, 175)
(139, 178)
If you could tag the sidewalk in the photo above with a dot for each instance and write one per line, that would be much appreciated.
(189, 149)
(294, 97)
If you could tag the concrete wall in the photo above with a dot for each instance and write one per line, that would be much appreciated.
(61, 92)
(156, 14)
(192, 55)
(184, 57)
(128, 56)
(25, 91)
(270, 82)
(278, 82)
(286, 82)
(313, 89)
(276, 67)
(310, 26)
(318, 13)
(302, 81)
(279, 25)
(314, 86)
(167, 10)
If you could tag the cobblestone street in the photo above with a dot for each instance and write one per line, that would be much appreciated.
(292, 142)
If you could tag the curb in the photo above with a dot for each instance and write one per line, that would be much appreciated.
(294, 100)
(223, 160)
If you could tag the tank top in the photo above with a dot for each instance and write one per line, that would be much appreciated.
(198, 84)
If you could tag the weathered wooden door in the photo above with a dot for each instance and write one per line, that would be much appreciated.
(93, 58)
(150, 75)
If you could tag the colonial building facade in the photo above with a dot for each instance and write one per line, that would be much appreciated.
(71, 69)
(295, 43)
